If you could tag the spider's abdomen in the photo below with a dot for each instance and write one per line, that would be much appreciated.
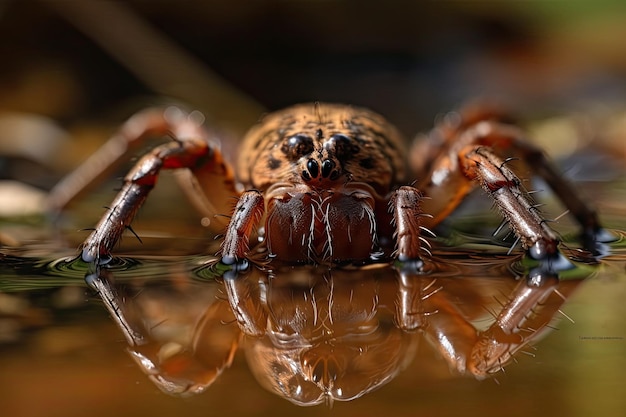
(322, 146)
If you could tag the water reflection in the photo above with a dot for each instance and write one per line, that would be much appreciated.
(314, 335)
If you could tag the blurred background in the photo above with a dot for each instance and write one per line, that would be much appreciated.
(74, 70)
(409, 60)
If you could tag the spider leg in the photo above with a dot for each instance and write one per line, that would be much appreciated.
(447, 182)
(198, 182)
(482, 165)
(245, 218)
(405, 208)
(101, 164)
(184, 153)
(509, 137)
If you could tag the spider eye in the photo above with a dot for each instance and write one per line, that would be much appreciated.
(344, 147)
(297, 146)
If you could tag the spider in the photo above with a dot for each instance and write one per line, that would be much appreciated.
(333, 184)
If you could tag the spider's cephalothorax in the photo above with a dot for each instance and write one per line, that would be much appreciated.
(323, 146)
(327, 183)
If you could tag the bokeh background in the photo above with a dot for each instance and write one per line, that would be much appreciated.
(410, 60)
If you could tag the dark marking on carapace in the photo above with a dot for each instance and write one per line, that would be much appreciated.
(367, 163)
(273, 163)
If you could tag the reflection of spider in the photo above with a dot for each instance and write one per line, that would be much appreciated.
(314, 335)
(326, 183)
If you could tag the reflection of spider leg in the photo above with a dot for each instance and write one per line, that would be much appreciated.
(195, 349)
(413, 292)
(101, 281)
(522, 320)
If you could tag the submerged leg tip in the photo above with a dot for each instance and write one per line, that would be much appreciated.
(235, 265)
(597, 241)
(91, 257)
(410, 265)
(550, 258)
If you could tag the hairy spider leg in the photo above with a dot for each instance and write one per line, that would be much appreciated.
(511, 137)
(483, 166)
(447, 183)
(404, 205)
(187, 151)
(245, 219)
(102, 163)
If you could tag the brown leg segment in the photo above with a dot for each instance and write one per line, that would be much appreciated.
(481, 164)
(509, 138)
(442, 182)
(140, 180)
(245, 219)
(405, 208)
(592, 231)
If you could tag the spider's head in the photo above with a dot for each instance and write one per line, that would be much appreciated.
(320, 160)
(322, 146)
